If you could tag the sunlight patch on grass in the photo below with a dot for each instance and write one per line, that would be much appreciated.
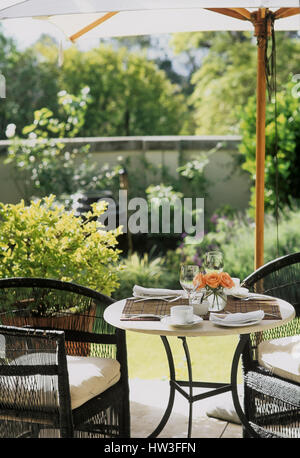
(211, 357)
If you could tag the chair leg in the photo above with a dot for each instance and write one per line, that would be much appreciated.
(66, 433)
(125, 418)
(35, 430)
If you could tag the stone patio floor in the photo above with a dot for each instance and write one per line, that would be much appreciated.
(148, 400)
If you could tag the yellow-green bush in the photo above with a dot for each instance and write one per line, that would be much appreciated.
(44, 240)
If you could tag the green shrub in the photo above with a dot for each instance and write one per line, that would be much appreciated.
(146, 272)
(234, 236)
(43, 240)
(288, 144)
(41, 164)
(239, 254)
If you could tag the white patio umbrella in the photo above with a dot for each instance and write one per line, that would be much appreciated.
(113, 18)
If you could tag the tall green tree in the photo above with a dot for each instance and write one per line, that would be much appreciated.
(130, 95)
(226, 76)
(157, 49)
(282, 164)
(31, 83)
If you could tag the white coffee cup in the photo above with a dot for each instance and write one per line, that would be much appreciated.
(181, 314)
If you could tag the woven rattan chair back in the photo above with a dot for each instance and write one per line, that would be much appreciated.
(33, 382)
(48, 304)
(272, 403)
(279, 278)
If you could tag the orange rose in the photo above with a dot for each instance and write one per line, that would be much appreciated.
(226, 280)
(199, 281)
(212, 279)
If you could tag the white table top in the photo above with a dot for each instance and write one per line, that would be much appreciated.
(113, 313)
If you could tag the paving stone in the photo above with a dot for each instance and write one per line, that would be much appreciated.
(148, 400)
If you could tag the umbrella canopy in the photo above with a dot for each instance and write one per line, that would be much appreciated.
(112, 18)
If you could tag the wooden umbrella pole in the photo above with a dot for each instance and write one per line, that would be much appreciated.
(261, 31)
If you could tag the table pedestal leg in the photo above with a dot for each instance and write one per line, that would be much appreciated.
(190, 376)
(178, 384)
(169, 408)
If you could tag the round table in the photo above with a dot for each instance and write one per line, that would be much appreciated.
(113, 314)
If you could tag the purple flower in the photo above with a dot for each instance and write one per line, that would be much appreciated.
(214, 218)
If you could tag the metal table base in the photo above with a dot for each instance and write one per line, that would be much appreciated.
(218, 388)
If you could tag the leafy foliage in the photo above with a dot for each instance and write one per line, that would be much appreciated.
(43, 164)
(31, 82)
(130, 95)
(224, 74)
(44, 240)
(233, 234)
(288, 147)
(143, 270)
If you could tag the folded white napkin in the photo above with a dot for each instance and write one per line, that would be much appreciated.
(139, 291)
(241, 292)
(237, 317)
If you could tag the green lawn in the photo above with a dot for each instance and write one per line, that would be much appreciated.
(211, 357)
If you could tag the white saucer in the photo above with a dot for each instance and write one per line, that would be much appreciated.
(167, 320)
(235, 325)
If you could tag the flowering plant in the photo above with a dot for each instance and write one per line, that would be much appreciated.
(214, 284)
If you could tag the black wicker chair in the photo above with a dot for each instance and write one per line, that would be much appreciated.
(272, 391)
(63, 375)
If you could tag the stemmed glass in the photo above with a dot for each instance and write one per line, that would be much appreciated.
(213, 261)
(187, 275)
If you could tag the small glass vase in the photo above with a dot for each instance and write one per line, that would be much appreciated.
(217, 300)
(200, 306)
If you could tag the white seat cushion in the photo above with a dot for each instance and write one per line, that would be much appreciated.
(88, 377)
(282, 357)
(222, 407)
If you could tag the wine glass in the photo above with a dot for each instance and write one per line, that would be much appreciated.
(213, 261)
(187, 275)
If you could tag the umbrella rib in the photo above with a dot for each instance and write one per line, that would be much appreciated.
(228, 12)
(93, 24)
(286, 12)
(243, 12)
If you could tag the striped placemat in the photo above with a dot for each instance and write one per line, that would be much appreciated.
(239, 306)
(155, 306)
(160, 307)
